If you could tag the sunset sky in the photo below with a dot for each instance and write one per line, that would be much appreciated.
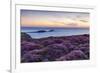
(37, 18)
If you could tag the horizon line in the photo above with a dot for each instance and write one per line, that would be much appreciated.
(53, 27)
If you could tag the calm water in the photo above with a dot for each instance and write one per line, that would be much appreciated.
(33, 31)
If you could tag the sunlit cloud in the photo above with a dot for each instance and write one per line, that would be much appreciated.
(54, 19)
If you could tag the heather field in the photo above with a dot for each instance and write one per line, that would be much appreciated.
(63, 48)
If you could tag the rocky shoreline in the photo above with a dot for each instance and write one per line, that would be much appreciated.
(64, 48)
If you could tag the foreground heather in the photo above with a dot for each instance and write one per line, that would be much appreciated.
(65, 48)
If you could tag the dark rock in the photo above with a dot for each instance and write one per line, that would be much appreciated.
(25, 37)
(41, 31)
(51, 30)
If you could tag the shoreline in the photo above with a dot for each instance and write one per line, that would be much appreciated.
(53, 36)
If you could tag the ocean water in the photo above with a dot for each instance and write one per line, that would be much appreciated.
(56, 32)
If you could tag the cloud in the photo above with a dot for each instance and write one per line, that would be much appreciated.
(72, 25)
(83, 20)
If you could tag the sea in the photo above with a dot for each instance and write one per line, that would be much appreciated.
(42, 32)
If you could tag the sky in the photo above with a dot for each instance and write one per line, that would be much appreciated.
(37, 18)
